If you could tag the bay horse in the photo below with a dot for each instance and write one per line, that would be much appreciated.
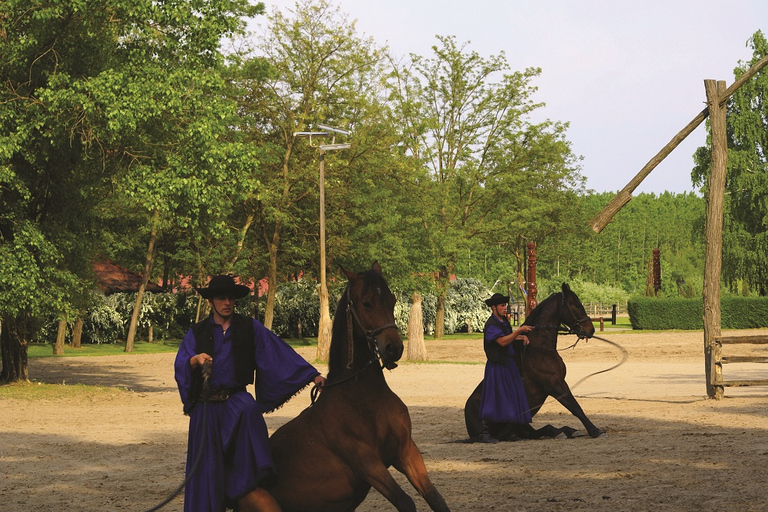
(542, 369)
(329, 456)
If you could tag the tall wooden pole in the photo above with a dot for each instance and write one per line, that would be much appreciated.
(714, 235)
(324, 328)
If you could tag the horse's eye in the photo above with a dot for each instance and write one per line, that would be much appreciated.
(367, 304)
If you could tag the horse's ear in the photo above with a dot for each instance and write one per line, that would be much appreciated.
(566, 288)
(350, 275)
(376, 268)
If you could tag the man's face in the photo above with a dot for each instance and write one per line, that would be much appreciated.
(501, 309)
(224, 305)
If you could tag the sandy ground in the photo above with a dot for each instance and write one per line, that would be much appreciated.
(668, 447)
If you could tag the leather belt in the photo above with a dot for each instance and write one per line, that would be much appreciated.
(221, 395)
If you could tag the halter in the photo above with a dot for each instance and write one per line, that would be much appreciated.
(580, 332)
(369, 333)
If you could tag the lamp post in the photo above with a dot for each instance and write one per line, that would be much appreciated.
(324, 326)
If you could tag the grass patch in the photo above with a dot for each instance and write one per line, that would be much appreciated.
(33, 391)
(106, 349)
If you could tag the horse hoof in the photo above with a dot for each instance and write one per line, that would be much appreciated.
(600, 434)
(577, 433)
(561, 435)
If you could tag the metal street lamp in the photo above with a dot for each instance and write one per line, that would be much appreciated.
(324, 327)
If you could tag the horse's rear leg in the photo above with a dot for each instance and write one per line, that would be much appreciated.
(566, 398)
(412, 465)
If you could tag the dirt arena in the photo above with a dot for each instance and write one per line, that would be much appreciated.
(668, 448)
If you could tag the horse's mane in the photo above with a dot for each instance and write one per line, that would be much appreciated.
(336, 359)
(538, 311)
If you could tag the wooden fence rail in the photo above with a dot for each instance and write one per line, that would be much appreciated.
(719, 359)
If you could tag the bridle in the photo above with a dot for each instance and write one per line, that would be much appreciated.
(369, 333)
(580, 333)
(370, 336)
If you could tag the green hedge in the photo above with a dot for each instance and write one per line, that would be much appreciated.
(677, 313)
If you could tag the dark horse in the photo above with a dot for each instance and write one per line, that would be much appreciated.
(542, 369)
(329, 457)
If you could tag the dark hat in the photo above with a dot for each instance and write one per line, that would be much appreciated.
(497, 298)
(223, 286)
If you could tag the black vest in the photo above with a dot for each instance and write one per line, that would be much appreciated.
(243, 351)
(493, 351)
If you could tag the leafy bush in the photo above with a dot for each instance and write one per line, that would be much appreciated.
(103, 323)
(297, 303)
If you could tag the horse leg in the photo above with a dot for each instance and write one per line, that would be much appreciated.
(380, 479)
(566, 398)
(258, 500)
(411, 464)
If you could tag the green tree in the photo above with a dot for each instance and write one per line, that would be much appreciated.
(490, 172)
(310, 67)
(745, 218)
(98, 97)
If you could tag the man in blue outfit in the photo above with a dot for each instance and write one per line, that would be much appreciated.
(235, 463)
(503, 398)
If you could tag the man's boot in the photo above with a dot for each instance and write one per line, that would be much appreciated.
(485, 436)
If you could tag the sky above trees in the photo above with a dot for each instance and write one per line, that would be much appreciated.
(627, 75)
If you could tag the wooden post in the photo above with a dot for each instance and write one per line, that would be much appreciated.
(714, 236)
(325, 326)
(656, 271)
(531, 301)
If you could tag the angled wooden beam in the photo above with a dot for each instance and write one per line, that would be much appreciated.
(606, 215)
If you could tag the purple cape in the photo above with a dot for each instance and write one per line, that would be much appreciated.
(503, 397)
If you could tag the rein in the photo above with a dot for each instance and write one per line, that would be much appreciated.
(204, 399)
(581, 335)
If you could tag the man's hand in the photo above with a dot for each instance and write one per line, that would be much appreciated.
(198, 360)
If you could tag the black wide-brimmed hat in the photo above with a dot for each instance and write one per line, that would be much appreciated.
(497, 298)
(223, 286)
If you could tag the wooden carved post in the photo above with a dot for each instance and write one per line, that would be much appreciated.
(656, 271)
(531, 302)
(714, 236)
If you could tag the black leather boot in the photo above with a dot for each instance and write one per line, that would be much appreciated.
(485, 436)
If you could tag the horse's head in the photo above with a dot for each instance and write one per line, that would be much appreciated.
(574, 316)
(370, 311)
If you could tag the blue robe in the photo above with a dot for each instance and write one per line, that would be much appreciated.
(236, 457)
(503, 398)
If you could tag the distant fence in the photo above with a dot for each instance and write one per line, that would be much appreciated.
(596, 309)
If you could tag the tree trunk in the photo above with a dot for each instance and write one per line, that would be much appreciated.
(61, 335)
(13, 350)
(241, 240)
(417, 350)
(144, 279)
(77, 333)
(269, 309)
(440, 315)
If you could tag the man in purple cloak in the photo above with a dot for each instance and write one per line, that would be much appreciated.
(503, 398)
(235, 463)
